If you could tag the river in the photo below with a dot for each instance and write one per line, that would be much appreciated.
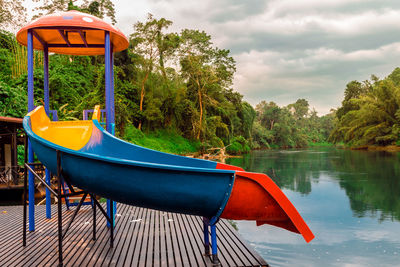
(349, 199)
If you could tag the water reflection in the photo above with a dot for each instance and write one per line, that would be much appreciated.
(350, 200)
(371, 179)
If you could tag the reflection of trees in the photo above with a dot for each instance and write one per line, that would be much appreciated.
(289, 169)
(371, 179)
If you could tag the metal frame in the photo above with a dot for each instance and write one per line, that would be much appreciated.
(109, 88)
(59, 195)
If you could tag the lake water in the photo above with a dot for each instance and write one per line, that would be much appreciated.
(349, 199)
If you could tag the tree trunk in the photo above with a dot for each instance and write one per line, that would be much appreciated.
(161, 61)
(142, 93)
(201, 114)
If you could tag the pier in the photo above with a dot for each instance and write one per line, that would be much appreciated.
(143, 237)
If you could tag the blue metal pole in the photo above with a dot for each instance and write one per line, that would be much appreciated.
(47, 108)
(214, 247)
(112, 104)
(31, 106)
(46, 79)
(109, 105)
(107, 79)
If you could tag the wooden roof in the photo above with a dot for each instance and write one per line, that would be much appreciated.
(11, 120)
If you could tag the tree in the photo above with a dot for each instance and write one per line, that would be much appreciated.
(98, 8)
(300, 108)
(148, 43)
(206, 69)
(374, 116)
(268, 113)
(12, 13)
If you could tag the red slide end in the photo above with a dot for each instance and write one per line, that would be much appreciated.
(223, 166)
(256, 197)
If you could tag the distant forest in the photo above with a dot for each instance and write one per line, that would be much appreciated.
(174, 92)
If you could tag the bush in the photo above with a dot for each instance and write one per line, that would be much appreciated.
(239, 145)
(13, 101)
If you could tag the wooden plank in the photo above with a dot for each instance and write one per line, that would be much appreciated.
(198, 236)
(9, 218)
(103, 240)
(133, 244)
(188, 246)
(107, 250)
(121, 251)
(159, 239)
(197, 245)
(75, 235)
(228, 248)
(168, 240)
(36, 240)
(179, 257)
(99, 254)
(242, 244)
(121, 233)
(10, 240)
(134, 252)
(13, 244)
(222, 254)
(151, 250)
(140, 256)
(73, 240)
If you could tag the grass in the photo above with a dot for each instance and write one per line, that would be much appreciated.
(162, 140)
(320, 144)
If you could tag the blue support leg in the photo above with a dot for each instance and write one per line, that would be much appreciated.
(108, 211)
(114, 204)
(214, 247)
(48, 195)
(206, 237)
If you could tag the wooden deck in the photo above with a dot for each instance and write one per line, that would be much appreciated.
(143, 237)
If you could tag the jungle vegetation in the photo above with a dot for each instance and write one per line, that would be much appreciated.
(370, 113)
(174, 91)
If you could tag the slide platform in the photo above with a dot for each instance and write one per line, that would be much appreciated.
(98, 162)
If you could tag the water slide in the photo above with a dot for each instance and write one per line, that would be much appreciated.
(98, 162)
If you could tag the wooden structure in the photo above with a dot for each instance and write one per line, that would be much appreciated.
(143, 237)
(9, 140)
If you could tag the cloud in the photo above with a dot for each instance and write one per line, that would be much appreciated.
(287, 49)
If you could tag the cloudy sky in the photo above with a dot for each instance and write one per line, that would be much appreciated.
(289, 49)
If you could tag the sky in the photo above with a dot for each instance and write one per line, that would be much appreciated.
(288, 49)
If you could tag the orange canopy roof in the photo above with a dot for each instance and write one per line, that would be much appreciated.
(72, 33)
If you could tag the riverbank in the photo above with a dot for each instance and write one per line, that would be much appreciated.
(170, 141)
(391, 148)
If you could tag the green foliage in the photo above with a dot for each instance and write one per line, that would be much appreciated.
(292, 126)
(5, 64)
(99, 8)
(239, 145)
(370, 112)
(162, 140)
(13, 100)
(21, 155)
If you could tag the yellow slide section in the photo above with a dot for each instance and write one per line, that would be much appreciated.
(70, 134)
